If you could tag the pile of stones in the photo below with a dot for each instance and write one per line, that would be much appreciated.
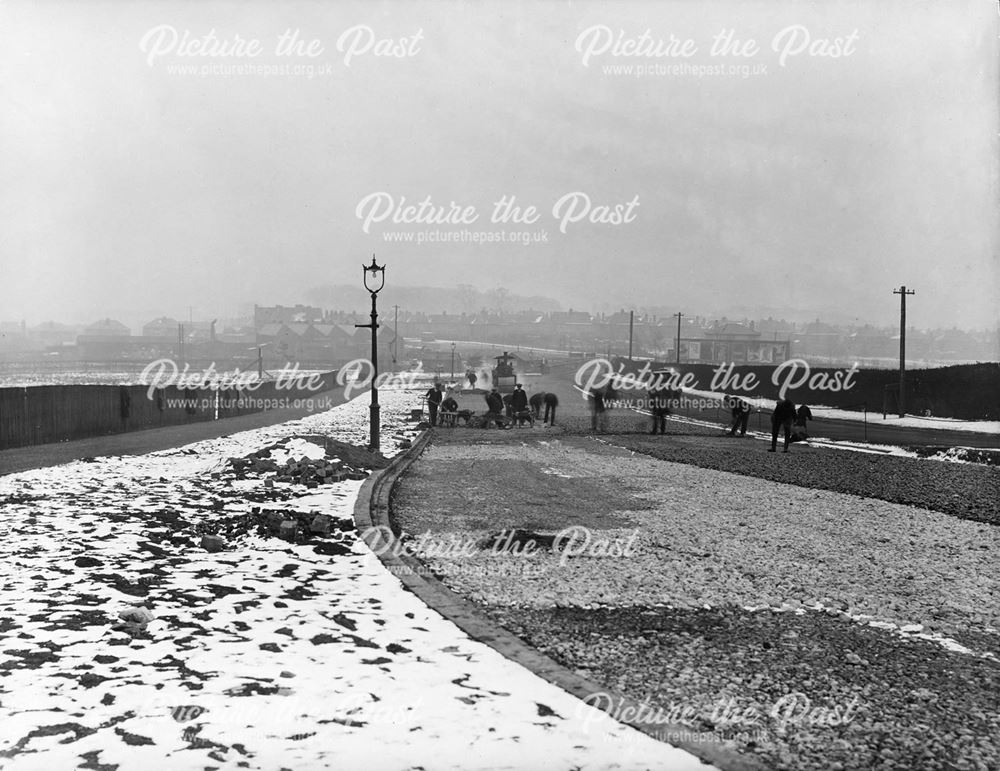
(349, 456)
(311, 472)
(966, 454)
(327, 534)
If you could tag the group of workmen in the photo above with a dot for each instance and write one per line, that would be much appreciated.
(516, 407)
(502, 411)
(785, 419)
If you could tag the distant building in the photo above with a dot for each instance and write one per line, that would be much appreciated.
(818, 339)
(570, 317)
(106, 328)
(729, 341)
(13, 335)
(954, 344)
(279, 314)
(163, 328)
(51, 334)
(327, 343)
(104, 339)
(872, 342)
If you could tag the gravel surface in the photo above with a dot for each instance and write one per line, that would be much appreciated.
(686, 537)
(969, 491)
(966, 490)
(771, 684)
(698, 536)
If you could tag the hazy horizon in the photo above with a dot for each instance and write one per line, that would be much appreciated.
(135, 188)
(359, 303)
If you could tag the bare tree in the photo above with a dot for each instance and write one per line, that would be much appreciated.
(498, 299)
(468, 297)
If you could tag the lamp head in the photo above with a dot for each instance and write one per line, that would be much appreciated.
(377, 276)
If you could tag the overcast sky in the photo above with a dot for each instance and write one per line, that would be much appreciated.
(789, 181)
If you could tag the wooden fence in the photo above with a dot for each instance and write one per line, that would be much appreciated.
(962, 391)
(40, 414)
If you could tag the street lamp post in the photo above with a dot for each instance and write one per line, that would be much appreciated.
(679, 316)
(453, 362)
(377, 282)
(395, 337)
(631, 319)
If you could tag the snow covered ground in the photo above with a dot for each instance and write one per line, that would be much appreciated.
(270, 654)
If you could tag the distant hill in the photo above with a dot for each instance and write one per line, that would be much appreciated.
(463, 298)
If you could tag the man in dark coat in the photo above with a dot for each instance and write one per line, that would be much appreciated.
(551, 401)
(518, 399)
(800, 431)
(494, 405)
(434, 397)
(781, 418)
(449, 411)
(741, 416)
(659, 405)
(599, 409)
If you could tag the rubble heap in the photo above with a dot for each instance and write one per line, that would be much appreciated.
(326, 534)
(306, 471)
(340, 461)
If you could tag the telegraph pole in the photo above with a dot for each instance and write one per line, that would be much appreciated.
(902, 292)
(631, 319)
(679, 315)
(395, 339)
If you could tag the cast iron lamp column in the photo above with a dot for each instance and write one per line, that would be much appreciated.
(377, 282)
